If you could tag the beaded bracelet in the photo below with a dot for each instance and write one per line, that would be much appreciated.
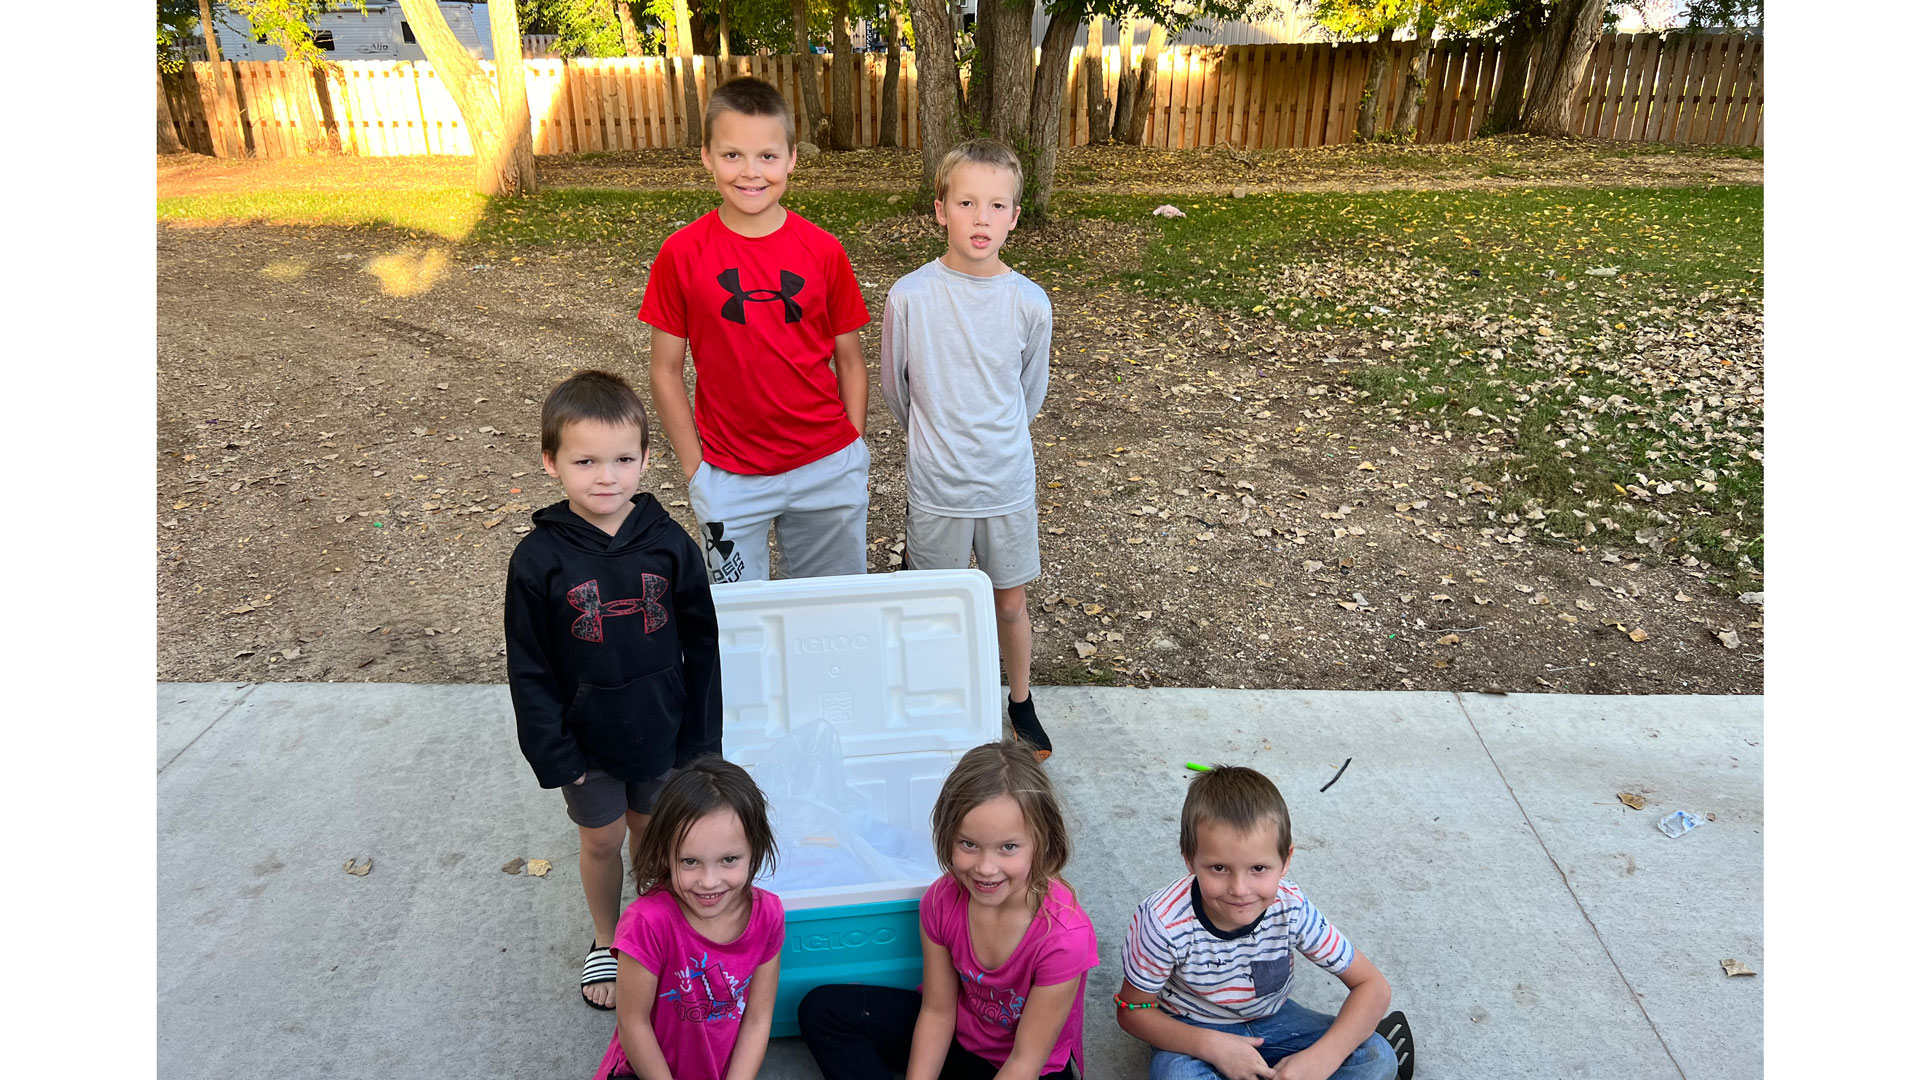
(1117, 1000)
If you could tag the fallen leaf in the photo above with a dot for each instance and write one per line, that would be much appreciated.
(514, 867)
(1448, 639)
(358, 869)
(1682, 598)
(538, 867)
(1632, 800)
(1085, 649)
(1729, 638)
(1636, 634)
(1734, 967)
(1092, 609)
(1368, 466)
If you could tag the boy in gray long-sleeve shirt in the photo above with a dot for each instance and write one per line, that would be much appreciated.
(963, 365)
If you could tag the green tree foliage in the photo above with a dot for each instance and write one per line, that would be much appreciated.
(175, 25)
(580, 27)
(287, 23)
(1725, 15)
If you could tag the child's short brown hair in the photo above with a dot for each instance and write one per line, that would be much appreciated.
(707, 785)
(979, 152)
(748, 97)
(1235, 796)
(590, 395)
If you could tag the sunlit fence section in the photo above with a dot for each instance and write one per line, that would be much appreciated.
(1638, 87)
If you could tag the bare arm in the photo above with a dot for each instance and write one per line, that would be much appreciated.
(1234, 1055)
(750, 1045)
(1039, 1030)
(939, 1005)
(1367, 998)
(633, 1014)
(667, 371)
(850, 368)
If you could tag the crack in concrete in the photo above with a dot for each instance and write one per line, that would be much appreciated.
(1568, 885)
(237, 702)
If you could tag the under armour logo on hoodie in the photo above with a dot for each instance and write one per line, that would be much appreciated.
(735, 309)
(586, 599)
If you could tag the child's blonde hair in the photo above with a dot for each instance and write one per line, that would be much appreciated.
(982, 775)
(979, 152)
(708, 785)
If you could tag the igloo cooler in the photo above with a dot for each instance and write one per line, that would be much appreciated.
(906, 668)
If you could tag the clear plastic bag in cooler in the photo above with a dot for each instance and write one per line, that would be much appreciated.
(828, 834)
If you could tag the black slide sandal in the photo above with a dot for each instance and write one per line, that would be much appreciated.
(601, 967)
(1399, 1036)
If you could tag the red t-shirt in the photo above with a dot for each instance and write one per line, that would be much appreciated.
(760, 313)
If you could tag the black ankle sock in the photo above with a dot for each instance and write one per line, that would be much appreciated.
(1026, 724)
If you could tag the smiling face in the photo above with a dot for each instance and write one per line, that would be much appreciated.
(712, 869)
(1239, 871)
(599, 466)
(750, 159)
(993, 853)
(981, 207)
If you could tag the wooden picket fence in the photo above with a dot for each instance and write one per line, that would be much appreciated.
(1639, 87)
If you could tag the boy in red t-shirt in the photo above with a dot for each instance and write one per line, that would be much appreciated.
(773, 436)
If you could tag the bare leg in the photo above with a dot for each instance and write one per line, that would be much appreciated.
(636, 831)
(1016, 639)
(600, 874)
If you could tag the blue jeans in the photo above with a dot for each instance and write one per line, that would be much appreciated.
(1289, 1031)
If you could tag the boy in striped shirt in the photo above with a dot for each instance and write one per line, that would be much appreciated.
(1209, 958)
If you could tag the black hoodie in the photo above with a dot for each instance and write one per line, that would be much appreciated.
(613, 651)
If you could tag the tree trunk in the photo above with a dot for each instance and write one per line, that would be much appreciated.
(979, 72)
(226, 140)
(498, 168)
(1553, 45)
(629, 34)
(890, 89)
(1413, 91)
(1551, 112)
(510, 68)
(1123, 87)
(813, 130)
(1143, 88)
(168, 138)
(846, 76)
(1043, 124)
(1094, 62)
(690, 92)
(1505, 111)
(726, 45)
(1012, 72)
(940, 122)
(311, 131)
(1376, 85)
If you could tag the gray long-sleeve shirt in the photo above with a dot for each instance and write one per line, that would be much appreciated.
(963, 367)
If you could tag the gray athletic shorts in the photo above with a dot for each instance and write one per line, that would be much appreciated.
(819, 510)
(1008, 546)
(602, 799)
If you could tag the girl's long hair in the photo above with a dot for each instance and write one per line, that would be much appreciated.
(709, 784)
(987, 772)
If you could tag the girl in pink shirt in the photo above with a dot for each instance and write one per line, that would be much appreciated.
(699, 950)
(1005, 946)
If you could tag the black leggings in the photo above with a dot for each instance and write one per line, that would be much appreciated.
(866, 1032)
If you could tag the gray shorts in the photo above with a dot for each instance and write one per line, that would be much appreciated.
(602, 799)
(819, 510)
(1008, 546)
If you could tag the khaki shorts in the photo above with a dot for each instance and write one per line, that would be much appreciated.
(1008, 546)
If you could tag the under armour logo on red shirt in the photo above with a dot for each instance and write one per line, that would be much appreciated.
(735, 309)
(586, 599)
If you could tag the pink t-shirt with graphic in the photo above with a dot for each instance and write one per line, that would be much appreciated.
(1058, 947)
(703, 984)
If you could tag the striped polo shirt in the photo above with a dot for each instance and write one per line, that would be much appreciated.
(1217, 976)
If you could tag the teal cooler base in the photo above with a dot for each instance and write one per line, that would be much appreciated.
(877, 944)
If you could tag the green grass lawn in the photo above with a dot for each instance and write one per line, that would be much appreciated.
(1625, 405)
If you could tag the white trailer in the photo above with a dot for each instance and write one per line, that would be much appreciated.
(345, 32)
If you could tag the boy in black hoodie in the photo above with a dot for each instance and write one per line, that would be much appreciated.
(613, 651)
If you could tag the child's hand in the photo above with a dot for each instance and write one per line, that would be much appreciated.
(1305, 1065)
(581, 779)
(1236, 1058)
